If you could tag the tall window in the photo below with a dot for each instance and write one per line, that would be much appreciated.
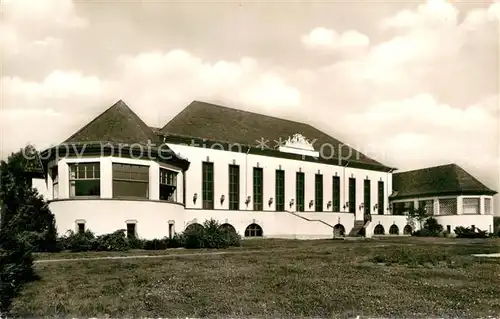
(318, 190)
(55, 182)
(234, 187)
(352, 195)
(85, 179)
(131, 230)
(257, 188)
(299, 191)
(168, 185)
(470, 205)
(336, 194)
(487, 206)
(280, 190)
(380, 203)
(130, 181)
(208, 185)
(427, 205)
(367, 198)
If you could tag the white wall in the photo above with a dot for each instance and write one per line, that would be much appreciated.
(105, 216)
(222, 159)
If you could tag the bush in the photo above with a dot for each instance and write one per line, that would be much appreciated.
(116, 241)
(16, 269)
(156, 244)
(179, 240)
(78, 242)
(431, 229)
(463, 232)
(193, 237)
(136, 243)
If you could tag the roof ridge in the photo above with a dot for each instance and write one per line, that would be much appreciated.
(424, 168)
(93, 120)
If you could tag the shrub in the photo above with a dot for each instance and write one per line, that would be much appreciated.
(78, 242)
(16, 269)
(431, 228)
(179, 240)
(116, 241)
(193, 238)
(463, 232)
(156, 244)
(136, 243)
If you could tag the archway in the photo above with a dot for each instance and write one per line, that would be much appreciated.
(228, 227)
(194, 227)
(253, 230)
(379, 230)
(338, 230)
(407, 230)
(394, 230)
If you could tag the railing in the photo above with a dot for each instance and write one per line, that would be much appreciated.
(308, 219)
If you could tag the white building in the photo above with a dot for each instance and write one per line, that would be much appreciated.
(255, 173)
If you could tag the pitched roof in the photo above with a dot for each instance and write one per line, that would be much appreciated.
(448, 179)
(224, 124)
(118, 124)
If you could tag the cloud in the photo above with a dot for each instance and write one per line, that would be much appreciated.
(322, 38)
(432, 14)
(42, 12)
(177, 77)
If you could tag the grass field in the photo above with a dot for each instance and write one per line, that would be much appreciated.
(387, 277)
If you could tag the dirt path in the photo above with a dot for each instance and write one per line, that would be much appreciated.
(216, 253)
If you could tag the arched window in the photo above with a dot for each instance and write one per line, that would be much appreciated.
(228, 227)
(394, 230)
(379, 230)
(194, 227)
(407, 230)
(253, 230)
(338, 230)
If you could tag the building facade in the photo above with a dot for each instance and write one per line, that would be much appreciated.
(259, 175)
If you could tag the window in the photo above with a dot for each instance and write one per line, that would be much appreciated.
(428, 205)
(447, 206)
(448, 229)
(208, 185)
(402, 208)
(131, 232)
(299, 191)
(380, 202)
(318, 198)
(257, 188)
(379, 230)
(55, 182)
(394, 230)
(280, 190)
(84, 179)
(130, 181)
(471, 206)
(234, 187)
(336, 194)
(171, 231)
(253, 230)
(367, 196)
(352, 195)
(168, 185)
(487, 206)
(81, 228)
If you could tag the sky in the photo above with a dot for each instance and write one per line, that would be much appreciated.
(411, 84)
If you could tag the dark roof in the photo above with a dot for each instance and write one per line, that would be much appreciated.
(118, 124)
(448, 179)
(223, 124)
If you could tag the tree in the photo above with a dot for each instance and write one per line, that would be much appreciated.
(419, 215)
(24, 212)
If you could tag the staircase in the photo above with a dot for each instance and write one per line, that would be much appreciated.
(358, 226)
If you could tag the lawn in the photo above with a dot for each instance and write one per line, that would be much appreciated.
(386, 277)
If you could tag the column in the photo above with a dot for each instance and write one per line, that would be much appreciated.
(460, 205)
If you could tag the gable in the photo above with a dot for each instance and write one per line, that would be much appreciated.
(118, 124)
